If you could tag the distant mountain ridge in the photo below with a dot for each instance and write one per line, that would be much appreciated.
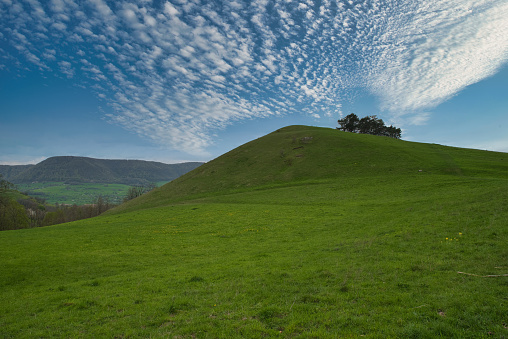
(11, 171)
(72, 169)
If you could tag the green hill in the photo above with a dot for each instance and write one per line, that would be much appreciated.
(89, 170)
(306, 233)
(296, 154)
(11, 171)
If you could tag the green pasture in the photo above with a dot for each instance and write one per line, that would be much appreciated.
(79, 194)
(368, 252)
(70, 194)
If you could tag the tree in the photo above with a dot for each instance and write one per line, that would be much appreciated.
(136, 191)
(12, 215)
(393, 132)
(34, 210)
(5, 185)
(53, 218)
(368, 125)
(100, 205)
(349, 123)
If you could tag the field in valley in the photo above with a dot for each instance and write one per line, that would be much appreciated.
(79, 194)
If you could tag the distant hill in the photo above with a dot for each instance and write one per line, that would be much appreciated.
(11, 171)
(72, 169)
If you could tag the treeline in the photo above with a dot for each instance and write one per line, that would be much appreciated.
(136, 191)
(368, 125)
(11, 212)
(29, 212)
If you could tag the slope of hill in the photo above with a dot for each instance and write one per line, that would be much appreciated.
(295, 154)
(88, 170)
(306, 232)
(11, 171)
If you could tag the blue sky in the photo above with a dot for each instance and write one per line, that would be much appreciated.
(188, 80)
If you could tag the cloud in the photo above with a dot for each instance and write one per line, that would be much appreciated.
(66, 68)
(102, 8)
(175, 71)
(20, 160)
(442, 50)
(169, 9)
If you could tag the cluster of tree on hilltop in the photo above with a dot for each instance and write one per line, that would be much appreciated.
(368, 125)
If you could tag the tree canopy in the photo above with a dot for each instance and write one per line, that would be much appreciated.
(368, 125)
(5, 185)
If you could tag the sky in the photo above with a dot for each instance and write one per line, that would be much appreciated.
(188, 80)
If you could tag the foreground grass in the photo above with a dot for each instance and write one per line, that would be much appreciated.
(368, 256)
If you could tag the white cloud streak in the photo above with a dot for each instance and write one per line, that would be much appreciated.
(176, 71)
(444, 48)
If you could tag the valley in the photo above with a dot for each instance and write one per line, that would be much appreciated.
(79, 194)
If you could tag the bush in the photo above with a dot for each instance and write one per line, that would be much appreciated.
(12, 215)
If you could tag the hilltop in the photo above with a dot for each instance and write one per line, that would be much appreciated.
(74, 170)
(303, 233)
(296, 154)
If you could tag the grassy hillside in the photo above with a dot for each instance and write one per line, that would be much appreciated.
(297, 154)
(341, 235)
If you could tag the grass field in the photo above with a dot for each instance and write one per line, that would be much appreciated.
(79, 194)
(372, 247)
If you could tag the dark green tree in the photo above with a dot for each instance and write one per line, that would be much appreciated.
(53, 218)
(12, 213)
(5, 185)
(393, 132)
(371, 125)
(368, 125)
(349, 123)
(136, 191)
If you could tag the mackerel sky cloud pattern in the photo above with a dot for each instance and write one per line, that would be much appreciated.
(175, 71)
